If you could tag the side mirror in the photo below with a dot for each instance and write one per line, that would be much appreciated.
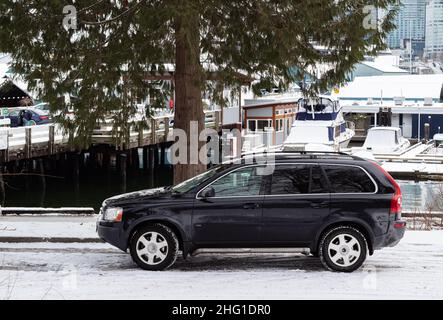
(208, 192)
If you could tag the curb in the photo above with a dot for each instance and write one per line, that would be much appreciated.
(49, 239)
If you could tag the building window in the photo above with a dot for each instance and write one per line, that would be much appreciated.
(252, 125)
(263, 124)
(279, 125)
(259, 125)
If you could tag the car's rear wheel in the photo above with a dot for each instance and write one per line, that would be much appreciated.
(154, 247)
(343, 249)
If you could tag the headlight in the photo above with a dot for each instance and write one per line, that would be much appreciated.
(113, 214)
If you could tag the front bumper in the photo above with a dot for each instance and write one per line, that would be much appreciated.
(395, 233)
(111, 233)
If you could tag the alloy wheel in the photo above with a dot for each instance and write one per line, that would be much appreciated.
(344, 250)
(152, 248)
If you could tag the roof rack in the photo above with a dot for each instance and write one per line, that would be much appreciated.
(315, 152)
(312, 154)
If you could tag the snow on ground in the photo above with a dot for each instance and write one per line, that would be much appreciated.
(48, 226)
(412, 270)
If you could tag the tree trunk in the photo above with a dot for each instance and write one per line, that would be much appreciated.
(188, 84)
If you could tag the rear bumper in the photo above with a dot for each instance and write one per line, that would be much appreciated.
(111, 233)
(395, 233)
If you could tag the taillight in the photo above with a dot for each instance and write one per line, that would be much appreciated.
(396, 201)
(44, 117)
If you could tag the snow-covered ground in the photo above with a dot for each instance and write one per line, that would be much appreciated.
(48, 226)
(412, 270)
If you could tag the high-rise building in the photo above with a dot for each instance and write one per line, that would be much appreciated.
(410, 22)
(434, 28)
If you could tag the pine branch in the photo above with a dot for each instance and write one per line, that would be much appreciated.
(118, 17)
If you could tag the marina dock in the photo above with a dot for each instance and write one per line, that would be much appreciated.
(418, 161)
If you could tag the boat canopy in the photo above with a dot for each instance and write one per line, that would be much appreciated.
(322, 109)
(382, 137)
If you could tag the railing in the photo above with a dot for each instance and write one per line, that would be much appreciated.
(159, 130)
(42, 140)
(33, 141)
(350, 125)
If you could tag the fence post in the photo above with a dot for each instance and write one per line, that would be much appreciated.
(140, 136)
(51, 140)
(28, 143)
(166, 129)
(71, 141)
(153, 130)
(5, 152)
(217, 120)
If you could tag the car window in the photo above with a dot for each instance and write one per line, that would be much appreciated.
(39, 112)
(348, 179)
(290, 179)
(242, 182)
(190, 184)
(318, 181)
(298, 179)
(13, 113)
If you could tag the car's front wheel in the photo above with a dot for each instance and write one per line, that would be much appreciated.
(154, 247)
(343, 249)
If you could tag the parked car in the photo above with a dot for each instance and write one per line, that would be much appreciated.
(28, 117)
(44, 107)
(335, 206)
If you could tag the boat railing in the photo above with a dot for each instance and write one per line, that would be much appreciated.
(350, 125)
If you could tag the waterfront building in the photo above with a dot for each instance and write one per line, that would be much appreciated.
(407, 102)
(410, 23)
(434, 29)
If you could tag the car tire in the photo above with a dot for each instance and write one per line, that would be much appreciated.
(154, 247)
(343, 249)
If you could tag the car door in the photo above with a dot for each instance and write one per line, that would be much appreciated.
(354, 196)
(231, 216)
(296, 202)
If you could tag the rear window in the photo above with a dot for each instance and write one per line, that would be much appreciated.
(348, 179)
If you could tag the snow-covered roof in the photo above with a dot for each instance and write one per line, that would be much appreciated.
(383, 67)
(272, 99)
(407, 86)
(3, 70)
(5, 58)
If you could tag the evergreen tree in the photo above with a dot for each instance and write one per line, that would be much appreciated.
(104, 63)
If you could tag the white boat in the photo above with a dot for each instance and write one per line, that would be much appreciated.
(438, 140)
(437, 147)
(385, 140)
(319, 126)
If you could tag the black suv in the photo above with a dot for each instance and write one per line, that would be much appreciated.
(333, 206)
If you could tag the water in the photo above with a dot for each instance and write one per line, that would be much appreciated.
(422, 195)
(91, 188)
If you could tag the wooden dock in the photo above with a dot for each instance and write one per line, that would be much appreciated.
(46, 140)
(416, 162)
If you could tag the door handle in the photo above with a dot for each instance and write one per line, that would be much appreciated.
(249, 206)
(318, 205)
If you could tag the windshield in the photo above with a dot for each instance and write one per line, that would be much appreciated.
(190, 184)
